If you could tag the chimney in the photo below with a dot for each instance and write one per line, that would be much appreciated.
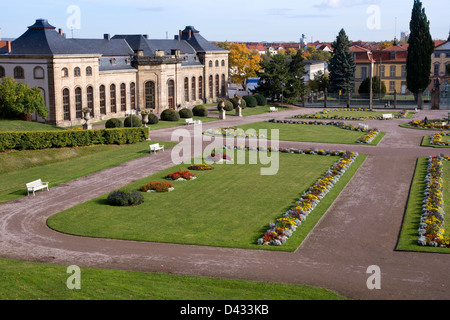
(8, 44)
(106, 36)
(190, 34)
(181, 33)
(145, 36)
(60, 31)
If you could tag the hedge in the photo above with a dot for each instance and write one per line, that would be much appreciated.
(35, 140)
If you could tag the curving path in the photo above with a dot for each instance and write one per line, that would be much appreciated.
(360, 229)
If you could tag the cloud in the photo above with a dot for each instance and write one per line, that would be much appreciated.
(336, 4)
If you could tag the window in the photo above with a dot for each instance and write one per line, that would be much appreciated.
(200, 88)
(217, 86)
(437, 55)
(133, 96)
(391, 86)
(393, 55)
(76, 72)
(403, 71)
(102, 100)
(123, 97)
(363, 72)
(2, 72)
(19, 73)
(445, 70)
(38, 73)
(224, 86)
(382, 71)
(171, 93)
(393, 70)
(89, 71)
(112, 97)
(78, 103)
(210, 64)
(223, 63)
(186, 89)
(193, 90)
(437, 68)
(66, 104)
(64, 72)
(149, 91)
(217, 63)
(90, 99)
(211, 87)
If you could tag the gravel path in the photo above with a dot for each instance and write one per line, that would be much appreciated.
(360, 229)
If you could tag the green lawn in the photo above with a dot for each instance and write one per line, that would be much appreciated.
(230, 206)
(252, 111)
(409, 232)
(61, 165)
(352, 115)
(18, 125)
(182, 122)
(427, 139)
(311, 133)
(34, 281)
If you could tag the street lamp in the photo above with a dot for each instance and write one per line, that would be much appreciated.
(370, 55)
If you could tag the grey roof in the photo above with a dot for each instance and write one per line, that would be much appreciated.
(111, 47)
(137, 42)
(200, 44)
(115, 63)
(169, 45)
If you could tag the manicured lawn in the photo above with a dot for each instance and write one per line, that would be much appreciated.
(61, 165)
(182, 122)
(352, 115)
(427, 139)
(310, 133)
(409, 233)
(34, 281)
(18, 125)
(252, 111)
(230, 206)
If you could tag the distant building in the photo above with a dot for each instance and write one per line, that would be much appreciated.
(114, 75)
(312, 67)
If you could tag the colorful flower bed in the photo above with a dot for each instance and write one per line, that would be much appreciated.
(180, 176)
(219, 157)
(233, 132)
(368, 138)
(283, 228)
(201, 167)
(436, 139)
(325, 115)
(157, 186)
(430, 124)
(431, 229)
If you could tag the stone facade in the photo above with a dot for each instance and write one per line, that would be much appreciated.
(113, 76)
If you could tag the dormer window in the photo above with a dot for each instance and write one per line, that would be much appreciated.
(127, 60)
(113, 61)
(393, 56)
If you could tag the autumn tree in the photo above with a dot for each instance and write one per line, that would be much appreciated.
(244, 63)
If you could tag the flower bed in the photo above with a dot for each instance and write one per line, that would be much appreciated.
(430, 124)
(157, 186)
(180, 176)
(283, 228)
(431, 229)
(325, 115)
(368, 138)
(219, 157)
(233, 132)
(201, 167)
(436, 139)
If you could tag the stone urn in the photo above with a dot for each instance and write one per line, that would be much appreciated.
(145, 119)
(222, 112)
(87, 117)
(238, 108)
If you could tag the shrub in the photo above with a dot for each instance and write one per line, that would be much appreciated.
(186, 113)
(251, 101)
(200, 111)
(157, 186)
(134, 122)
(113, 123)
(170, 115)
(152, 119)
(228, 106)
(125, 198)
(234, 101)
(260, 99)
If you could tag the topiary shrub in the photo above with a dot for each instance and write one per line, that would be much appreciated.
(260, 99)
(124, 198)
(113, 123)
(152, 119)
(186, 113)
(134, 122)
(234, 101)
(251, 101)
(200, 111)
(228, 105)
(170, 115)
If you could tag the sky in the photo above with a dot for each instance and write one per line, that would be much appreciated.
(231, 20)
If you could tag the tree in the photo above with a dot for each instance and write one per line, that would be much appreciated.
(342, 66)
(420, 49)
(244, 63)
(320, 82)
(364, 88)
(295, 85)
(18, 99)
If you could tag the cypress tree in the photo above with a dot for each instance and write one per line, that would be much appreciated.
(420, 49)
(342, 66)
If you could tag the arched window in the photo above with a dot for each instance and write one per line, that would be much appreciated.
(19, 73)
(200, 88)
(217, 86)
(133, 96)
(217, 63)
(193, 85)
(149, 91)
(78, 103)
(223, 63)
(2, 72)
(224, 86)
(112, 96)
(171, 93)
(210, 64)
(64, 72)
(66, 104)
(77, 72)
(102, 99)
(211, 87)
(38, 73)
(123, 97)
(90, 99)
(89, 71)
(186, 89)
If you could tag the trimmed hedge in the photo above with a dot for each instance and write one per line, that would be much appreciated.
(228, 105)
(260, 99)
(35, 140)
(200, 111)
(134, 122)
(170, 115)
(152, 119)
(234, 101)
(251, 101)
(114, 123)
(186, 113)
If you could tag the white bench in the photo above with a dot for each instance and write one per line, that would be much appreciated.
(387, 116)
(189, 121)
(35, 186)
(155, 147)
(273, 109)
(363, 126)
